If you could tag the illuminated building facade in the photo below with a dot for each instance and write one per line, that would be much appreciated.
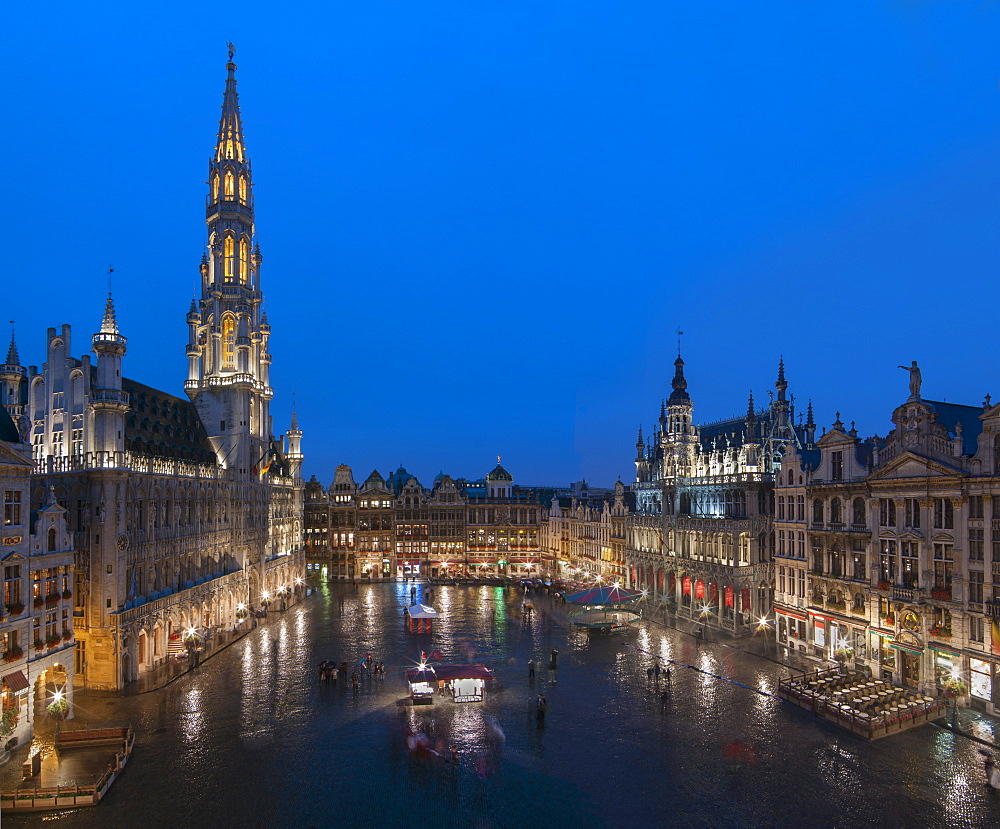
(184, 512)
(36, 618)
(397, 528)
(702, 538)
(888, 549)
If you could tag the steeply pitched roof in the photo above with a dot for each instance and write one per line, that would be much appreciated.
(8, 431)
(950, 414)
(165, 426)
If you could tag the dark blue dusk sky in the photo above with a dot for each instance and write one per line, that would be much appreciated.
(483, 222)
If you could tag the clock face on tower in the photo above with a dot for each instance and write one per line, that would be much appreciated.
(122, 542)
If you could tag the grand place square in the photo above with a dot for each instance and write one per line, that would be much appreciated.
(601, 597)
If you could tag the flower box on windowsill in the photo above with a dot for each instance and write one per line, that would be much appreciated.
(941, 593)
(38, 602)
(67, 594)
(889, 621)
(940, 633)
(13, 654)
(15, 608)
(884, 585)
(38, 645)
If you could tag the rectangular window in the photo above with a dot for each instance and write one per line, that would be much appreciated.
(12, 508)
(887, 512)
(909, 559)
(975, 506)
(77, 442)
(801, 508)
(975, 544)
(781, 507)
(836, 466)
(912, 513)
(976, 628)
(887, 563)
(944, 514)
(944, 555)
(975, 586)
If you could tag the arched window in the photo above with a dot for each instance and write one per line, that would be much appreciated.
(836, 517)
(243, 189)
(244, 260)
(227, 255)
(228, 343)
(52, 539)
(215, 186)
(230, 186)
(859, 511)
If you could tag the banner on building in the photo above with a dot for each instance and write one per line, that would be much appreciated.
(995, 635)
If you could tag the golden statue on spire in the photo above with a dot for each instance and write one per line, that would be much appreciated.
(232, 50)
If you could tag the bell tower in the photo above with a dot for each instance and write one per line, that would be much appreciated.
(227, 349)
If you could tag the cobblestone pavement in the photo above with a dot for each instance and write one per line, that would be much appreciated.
(251, 738)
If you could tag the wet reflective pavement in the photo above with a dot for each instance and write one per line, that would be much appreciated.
(251, 738)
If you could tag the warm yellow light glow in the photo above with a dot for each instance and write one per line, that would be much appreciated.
(190, 632)
(241, 606)
(265, 595)
(299, 580)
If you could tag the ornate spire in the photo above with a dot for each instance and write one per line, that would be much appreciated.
(679, 394)
(229, 144)
(12, 358)
(109, 325)
(781, 384)
(810, 423)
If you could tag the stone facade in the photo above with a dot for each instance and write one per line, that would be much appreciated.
(888, 550)
(185, 513)
(39, 588)
(701, 541)
(397, 528)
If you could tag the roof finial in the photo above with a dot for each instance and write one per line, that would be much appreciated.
(12, 358)
(498, 460)
(295, 413)
(232, 50)
(109, 325)
(679, 335)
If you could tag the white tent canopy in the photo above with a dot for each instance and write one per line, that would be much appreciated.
(422, 611)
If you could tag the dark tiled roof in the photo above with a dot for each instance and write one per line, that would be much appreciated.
(950, 414)
(165, 426)
(8, 431)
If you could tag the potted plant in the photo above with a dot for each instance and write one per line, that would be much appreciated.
(53, 640)
(890, 619)
(941, 593)
(13, 654)
(884, 584)
(38, 644)
(954, 688)
(15, 608)
(67, 594)
(67, 634)
(51, 599)
(843, 653)
(58, 709)
(39, 601)
(8, 722)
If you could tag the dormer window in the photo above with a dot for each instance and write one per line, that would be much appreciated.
(837, 466)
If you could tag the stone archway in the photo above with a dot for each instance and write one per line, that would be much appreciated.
(126, 667)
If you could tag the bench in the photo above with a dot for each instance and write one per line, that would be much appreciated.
(91, 737)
